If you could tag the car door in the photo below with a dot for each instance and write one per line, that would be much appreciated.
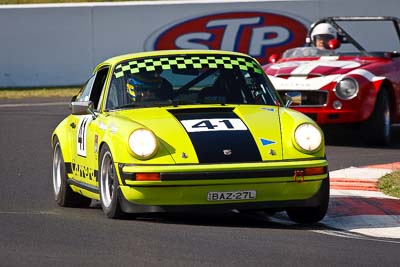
(84, 138)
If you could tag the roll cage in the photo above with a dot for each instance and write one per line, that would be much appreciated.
(344, 37)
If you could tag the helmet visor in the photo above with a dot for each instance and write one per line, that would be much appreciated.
(138, 86)
(324, 37)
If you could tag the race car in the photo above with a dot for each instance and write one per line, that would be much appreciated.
(176, 131)
(347, 74)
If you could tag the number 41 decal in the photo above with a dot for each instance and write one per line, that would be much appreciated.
(81, 136)
(213, 125)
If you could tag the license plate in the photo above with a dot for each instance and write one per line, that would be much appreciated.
(231, 195)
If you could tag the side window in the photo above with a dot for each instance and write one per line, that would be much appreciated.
(116, 94)
(93, 87)
(98, 86)
(84, 94)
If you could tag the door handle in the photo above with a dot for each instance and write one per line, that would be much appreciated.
(73, 125)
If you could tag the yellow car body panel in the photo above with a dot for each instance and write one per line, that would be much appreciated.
(209, 147)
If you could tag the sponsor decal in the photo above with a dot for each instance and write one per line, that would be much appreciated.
(266, 142)
(259, 34)
(268, 109)
(96, 144)
(84, 172)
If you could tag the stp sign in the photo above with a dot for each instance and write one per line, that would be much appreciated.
(258, 34)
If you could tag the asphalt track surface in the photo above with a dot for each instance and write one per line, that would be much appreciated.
(34, 231)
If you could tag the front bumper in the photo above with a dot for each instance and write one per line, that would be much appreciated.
(277, 184)
(324, 115)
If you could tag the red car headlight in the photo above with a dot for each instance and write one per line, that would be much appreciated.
(346, 89)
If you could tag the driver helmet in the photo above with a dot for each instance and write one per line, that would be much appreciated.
(143, 85)
(325, 31)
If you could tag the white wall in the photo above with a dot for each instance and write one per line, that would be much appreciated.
(59, 45)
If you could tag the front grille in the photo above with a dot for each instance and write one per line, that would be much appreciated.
(306, 98)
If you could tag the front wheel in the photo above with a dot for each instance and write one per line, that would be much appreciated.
(63, 194)
(378, 126)
(108, 183)
(312, 214)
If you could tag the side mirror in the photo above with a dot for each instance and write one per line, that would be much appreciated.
(334, 44)
(83, 108)
(73, 99)
(273, 58)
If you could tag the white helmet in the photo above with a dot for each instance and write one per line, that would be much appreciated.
(323, 28)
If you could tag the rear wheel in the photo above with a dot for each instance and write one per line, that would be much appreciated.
(63, 194)
(108, 182)
(378, 126)
(312, 214)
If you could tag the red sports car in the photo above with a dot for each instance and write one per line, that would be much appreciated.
(353, 78)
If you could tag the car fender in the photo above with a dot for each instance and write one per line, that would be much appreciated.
(371, 95)
(115, 131)
(290, 120)
(63, 134)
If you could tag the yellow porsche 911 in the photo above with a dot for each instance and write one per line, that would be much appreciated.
(188, 130)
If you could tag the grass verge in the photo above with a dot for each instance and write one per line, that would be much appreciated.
(390, 184)
(37, 92)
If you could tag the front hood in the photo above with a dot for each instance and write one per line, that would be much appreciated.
(219, 134)
(315, 74)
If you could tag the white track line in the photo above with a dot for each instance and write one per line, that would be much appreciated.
(33, 104)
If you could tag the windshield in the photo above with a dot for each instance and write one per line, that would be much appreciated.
(372, 35)
(307, 52)
(189, 79)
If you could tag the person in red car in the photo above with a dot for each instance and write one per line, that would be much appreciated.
(322, 34)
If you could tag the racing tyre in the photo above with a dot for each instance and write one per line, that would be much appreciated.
(309, 215)
(378, 126)
(63, 194)
(108, 183)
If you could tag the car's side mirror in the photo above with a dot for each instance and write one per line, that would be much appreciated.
(80, 107)
(273, 58)
(83, 108)
(73, 99)
(334, 44)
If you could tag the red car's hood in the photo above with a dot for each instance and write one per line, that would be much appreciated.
(314, 74)
(313, 67)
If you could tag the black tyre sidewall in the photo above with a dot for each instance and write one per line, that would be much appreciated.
(309, 215)
(60, 197)
(375, 125)
(66, 197)
(114, 210)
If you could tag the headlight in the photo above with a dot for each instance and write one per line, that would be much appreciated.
(308, 137)
(143, 143)
(346, 89)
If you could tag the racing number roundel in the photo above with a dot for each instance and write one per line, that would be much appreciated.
(81, 135)
(205, 125)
